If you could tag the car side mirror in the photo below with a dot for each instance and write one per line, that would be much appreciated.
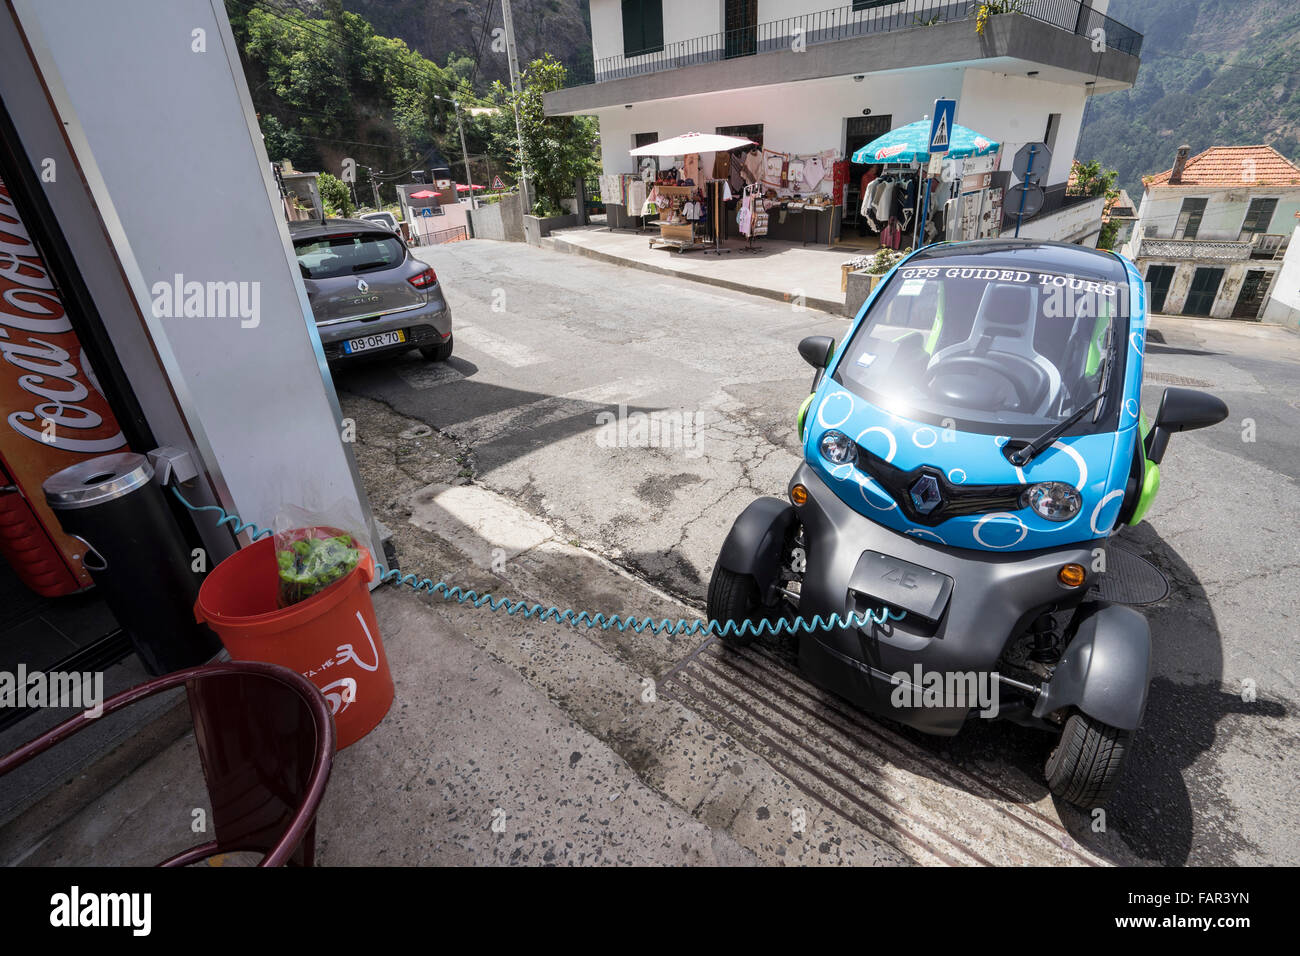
(817, 351)
(1181, 410)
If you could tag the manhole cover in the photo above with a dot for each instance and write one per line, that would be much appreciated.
(1130, 579)
(1155, 378)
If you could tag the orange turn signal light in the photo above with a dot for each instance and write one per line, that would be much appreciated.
(799, 494)
(1071, 575)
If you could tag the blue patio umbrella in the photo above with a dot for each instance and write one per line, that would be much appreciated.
(911, 144)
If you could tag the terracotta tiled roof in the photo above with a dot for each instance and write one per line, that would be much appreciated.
(1225, 166)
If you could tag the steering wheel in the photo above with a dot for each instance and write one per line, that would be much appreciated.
(980, 365)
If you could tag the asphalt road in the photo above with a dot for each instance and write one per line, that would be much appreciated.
(549, 347)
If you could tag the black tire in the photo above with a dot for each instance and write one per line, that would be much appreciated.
(735, 597)
(1086, 764)
(440, 352)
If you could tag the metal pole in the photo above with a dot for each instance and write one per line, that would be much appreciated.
(469, 179)
(513, 58)
(1029, 168)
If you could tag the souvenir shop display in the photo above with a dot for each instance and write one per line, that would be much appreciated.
(711, 178)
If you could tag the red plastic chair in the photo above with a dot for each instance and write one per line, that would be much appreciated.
(266, 740)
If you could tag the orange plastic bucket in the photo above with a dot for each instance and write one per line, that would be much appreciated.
(331, 638)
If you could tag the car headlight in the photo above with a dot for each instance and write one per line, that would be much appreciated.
(838, 448)
(1053, 500)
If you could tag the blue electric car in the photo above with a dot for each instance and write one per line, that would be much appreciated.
(968, 450)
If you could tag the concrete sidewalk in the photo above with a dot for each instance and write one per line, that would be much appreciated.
(785, 271)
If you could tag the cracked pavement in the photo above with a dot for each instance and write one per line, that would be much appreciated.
(546, 343)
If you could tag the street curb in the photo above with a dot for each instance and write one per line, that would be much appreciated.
(822, 305)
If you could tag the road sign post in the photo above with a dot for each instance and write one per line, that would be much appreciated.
(1030, 164)
(945, 112)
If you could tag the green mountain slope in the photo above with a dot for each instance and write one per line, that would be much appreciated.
(1214, 73)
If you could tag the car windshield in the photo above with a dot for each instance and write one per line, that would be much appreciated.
(1000, 351)
(347, 254)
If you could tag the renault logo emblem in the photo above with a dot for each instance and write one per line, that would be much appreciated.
(362, 285)
(925, 494)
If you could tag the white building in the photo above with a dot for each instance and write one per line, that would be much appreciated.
(1213, 230)
(806, 76)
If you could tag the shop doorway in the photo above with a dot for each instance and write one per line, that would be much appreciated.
(740, 29)
(1251, 298)
(858, 131)
(1158, 280)
(1205, 287)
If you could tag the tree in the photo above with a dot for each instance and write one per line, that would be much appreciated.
(334, 196)
(557, 149)
(281, 143)
(1089, 179)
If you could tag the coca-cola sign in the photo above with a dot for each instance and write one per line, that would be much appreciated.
(53, 412)
(38, 347)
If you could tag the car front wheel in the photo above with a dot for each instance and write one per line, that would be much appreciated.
(1086, 764)
(438, 353)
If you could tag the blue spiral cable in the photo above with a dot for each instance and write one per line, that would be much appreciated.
(682, 626)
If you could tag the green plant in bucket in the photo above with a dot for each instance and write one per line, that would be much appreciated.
(309, 565)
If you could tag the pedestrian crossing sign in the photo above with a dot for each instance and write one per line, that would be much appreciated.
(941, 125)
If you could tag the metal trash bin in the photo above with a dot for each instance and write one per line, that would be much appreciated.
(136, 555)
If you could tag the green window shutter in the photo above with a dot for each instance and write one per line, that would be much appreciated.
(652, 25)
(643, 27)
(631, 27)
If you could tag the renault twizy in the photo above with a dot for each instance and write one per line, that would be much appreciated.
(967, 451)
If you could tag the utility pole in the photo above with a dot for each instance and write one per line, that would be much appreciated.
(513, 58)
(464, 151)
(374, 185)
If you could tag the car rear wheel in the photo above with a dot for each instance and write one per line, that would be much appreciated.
(1086, 764)
(440, 352)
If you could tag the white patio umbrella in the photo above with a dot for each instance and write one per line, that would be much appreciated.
(692, 143)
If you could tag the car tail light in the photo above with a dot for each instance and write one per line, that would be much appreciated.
(425, 279)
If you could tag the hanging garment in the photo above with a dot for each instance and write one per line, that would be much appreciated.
(722, 165)
(636, 196)
(774, 166)
(813, 172)
(840, 182)
(752, 169)
(794, 174)
(884, 201)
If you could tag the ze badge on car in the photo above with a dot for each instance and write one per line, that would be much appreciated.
(901, 584)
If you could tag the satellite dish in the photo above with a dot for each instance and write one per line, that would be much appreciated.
(1042, 162)
(1033, 194)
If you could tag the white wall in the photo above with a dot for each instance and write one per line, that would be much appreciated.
(809, 116)
(1225, 210)
(1013, 109)
(1283, 305)
(797, 117)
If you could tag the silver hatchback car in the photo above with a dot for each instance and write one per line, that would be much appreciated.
(368, 293)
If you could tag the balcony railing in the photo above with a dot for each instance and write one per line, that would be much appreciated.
(842, 23)
(1261, 246)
